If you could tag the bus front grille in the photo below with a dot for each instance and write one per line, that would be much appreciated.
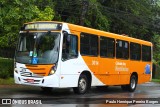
(33, 72)
(29, 74)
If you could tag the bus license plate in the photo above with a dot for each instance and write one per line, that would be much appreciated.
(30, 80)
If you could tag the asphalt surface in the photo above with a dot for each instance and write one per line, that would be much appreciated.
(95, 98)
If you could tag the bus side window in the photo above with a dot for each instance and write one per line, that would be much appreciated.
(70, 47)
(122, 49)
(146, 53)
(107, 47)
(135, 51)
(89, 44)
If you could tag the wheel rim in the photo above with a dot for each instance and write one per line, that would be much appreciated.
(133, 83)
(82, 84)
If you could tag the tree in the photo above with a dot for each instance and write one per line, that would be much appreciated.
(14, 14)
(156, 48)
(76, 11)
(131, 17)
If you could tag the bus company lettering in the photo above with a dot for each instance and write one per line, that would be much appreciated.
(121, 66)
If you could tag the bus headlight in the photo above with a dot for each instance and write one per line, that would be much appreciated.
(53, 70)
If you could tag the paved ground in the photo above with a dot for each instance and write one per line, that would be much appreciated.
(95, 98)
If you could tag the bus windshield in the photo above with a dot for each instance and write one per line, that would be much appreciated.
(38, 48)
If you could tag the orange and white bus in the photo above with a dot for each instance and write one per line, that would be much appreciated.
(54, 54)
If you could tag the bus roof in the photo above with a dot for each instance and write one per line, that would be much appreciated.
(79, 28)
(107, 34)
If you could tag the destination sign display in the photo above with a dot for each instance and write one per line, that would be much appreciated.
(42, 26)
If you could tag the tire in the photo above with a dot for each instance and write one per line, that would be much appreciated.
(133, 83)
(82, 85)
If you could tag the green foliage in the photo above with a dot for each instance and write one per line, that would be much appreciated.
(157, 72)
(4, 74)
(76, 11)
(8, 81)
(156, 80)
(95, 18)
(131, 17)
(6, 68)
(68, 10)
(156, 48)
(14, 14)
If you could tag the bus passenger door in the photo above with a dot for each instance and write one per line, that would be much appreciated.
(69, 62)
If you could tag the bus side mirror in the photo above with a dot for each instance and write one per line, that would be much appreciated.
(66, 36)
(65, 33)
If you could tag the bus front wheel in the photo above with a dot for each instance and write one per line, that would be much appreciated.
(82, 85)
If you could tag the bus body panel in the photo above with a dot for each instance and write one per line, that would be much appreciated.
(72, 68)
(27, 77)
(104, 71)
(107, 69)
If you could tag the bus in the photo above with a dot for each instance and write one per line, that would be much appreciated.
(53, 54)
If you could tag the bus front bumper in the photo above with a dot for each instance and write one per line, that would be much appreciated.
(46, 81)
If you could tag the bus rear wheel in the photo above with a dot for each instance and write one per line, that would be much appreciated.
(133, 83)
(82, 85)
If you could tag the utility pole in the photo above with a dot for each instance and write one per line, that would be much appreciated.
(85, 4)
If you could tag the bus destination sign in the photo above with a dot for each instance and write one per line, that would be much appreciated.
(42, 26)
